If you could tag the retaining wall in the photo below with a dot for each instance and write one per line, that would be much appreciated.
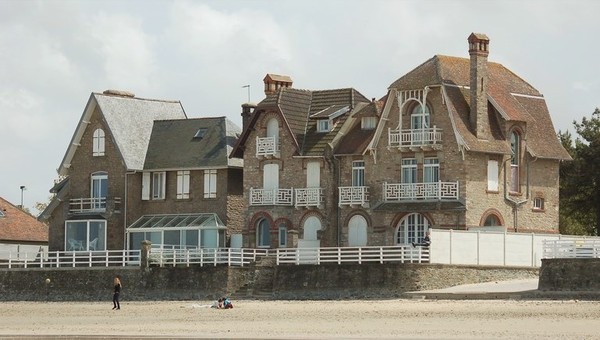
(570, 275)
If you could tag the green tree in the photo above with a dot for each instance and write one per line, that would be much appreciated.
(580, 179)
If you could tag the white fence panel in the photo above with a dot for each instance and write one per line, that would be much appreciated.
(491, 248)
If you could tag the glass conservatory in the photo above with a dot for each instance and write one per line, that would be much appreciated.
(181, 231)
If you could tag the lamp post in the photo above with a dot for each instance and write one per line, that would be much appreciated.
(22, 189)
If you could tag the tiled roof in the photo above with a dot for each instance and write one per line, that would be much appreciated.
(513, 98)
(174, 145)
(19, 226)
(355, 140)
(130, 122)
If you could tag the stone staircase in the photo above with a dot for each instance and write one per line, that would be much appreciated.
(261, 286)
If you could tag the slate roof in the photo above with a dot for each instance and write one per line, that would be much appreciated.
(355, 140)
(514, 99)
(129, 120)
(173, 144)
(296, 108)
(19, 226)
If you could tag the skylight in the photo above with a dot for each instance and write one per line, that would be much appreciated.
(2, 213)
(200, 133)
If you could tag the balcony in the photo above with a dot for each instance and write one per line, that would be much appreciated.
(353, 196)
(397, 192)
(88, 205)
(271, 197)
(416, 139)
(267, 146)
(309, 197)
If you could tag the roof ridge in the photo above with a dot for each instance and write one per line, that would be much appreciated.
(139, 98)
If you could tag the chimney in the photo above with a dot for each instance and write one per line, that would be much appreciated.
(274, 82)
(478, 52)
(247, 111)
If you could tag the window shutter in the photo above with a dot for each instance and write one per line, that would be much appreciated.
(492, 175)
(163, 184)
(146, 186)
(313, 179)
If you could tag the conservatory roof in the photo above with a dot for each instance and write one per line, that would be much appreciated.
(178, 221)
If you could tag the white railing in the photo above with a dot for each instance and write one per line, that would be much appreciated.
(583, 248)
(353, 195)
(420, 191)
(205, 256)
(402, 254)
(414, 137)
(309, 197)
(266, 146)
(91, 204)
(271, 196)
(61, 259)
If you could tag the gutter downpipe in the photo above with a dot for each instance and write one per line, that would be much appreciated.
(336, 161)
(125, 243)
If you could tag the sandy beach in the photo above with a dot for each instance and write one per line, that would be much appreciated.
(409, 319)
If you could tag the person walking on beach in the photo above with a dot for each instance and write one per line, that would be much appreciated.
(116, 293)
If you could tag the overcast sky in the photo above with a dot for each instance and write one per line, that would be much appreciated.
(53, 54)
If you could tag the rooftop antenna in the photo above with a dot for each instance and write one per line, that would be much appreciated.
(247, 86)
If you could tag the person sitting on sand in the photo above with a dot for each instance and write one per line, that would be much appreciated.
(227, 304)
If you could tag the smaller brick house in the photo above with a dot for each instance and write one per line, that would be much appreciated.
(20, 231)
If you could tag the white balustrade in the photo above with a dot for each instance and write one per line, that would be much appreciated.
(420, 191)
(309, 197)
(415, 137)
(271, 197)
(266, 146)
(353, 195)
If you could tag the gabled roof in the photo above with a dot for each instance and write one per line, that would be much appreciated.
(19, 226)
(513, 98)
(176, 144)
(354, 140)
(129, 120)
(296, 108)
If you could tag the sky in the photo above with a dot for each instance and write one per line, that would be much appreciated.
(54, 54)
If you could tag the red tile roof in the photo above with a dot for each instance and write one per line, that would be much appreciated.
(19, 226)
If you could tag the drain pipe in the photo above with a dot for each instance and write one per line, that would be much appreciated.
(336, 162)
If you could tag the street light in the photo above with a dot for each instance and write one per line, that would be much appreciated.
(22, 188)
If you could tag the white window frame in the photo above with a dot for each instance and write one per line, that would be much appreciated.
(183, 184)
(368, 123)
(412, 228)
(409, 170)
(358, 173)
(431, 170)
(98, 143)
(323, 125)
(75, 244)
(159, 180)
(538, 203)
(210, 183)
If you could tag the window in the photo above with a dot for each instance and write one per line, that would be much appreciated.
(538, 203)
(323, 125)
(515, 147)
(263, 234)
(158, 185)
(409, 170)
(200, 133)
(412, 228)
(418, 118)
(98, 143)
(492, 221)
(210, 183)
(431, 170)
(358, 173)
(183, 184)
(282, 235)
(313, 174)
(368, 123)
(99, 190)
(2, 213)
(85, 235)
(492, 175)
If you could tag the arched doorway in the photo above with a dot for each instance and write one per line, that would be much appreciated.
(411, 228)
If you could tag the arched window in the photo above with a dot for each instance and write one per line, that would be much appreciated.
(263, 234)
(411, 228)
(515, 147)
(357, 231)
(273, 128)
(98, 143)
(491, 221)
(419, 119)
(311, 226)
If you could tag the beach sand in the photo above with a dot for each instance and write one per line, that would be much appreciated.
(408, 318)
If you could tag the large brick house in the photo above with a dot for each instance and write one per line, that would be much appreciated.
(456, 143)
(139, 164)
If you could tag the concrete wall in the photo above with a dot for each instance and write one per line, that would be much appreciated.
(207, 283)
(573, 275)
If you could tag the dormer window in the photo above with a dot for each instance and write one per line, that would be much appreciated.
(323, 125)
(2, 214)
(368, 123)
(98, 143)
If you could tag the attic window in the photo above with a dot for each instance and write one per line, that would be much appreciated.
(368, 123)
(323, 125)
(200, 133)
(2, 214)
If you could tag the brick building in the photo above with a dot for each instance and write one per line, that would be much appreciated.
(139, 169)
(457, 143)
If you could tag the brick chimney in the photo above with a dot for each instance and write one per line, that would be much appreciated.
(247, 111)
(478, 51)
(274, 82)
